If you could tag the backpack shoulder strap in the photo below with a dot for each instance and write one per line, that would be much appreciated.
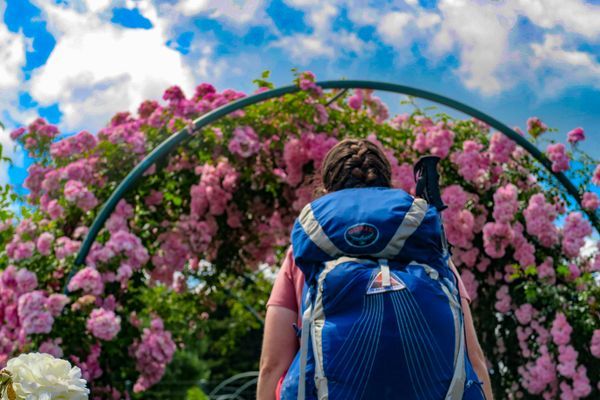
(306, 317)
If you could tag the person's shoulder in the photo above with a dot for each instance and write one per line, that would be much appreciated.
(288, 264)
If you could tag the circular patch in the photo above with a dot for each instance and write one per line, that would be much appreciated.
(361, 235)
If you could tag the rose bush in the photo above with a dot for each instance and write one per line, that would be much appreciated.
(159, 280)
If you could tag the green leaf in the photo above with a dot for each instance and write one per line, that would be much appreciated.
(562, 270)
(531, 294)
(196, 393)
(531, 270)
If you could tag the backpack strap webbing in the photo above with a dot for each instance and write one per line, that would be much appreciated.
(306, 317)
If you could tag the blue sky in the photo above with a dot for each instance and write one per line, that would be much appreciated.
(77, 62)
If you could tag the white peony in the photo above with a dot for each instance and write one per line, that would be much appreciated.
(37, 376)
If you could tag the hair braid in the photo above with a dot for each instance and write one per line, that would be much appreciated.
(354, 163)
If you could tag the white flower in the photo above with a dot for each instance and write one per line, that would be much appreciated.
(38, 376)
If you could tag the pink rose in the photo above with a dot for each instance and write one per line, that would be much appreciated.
(561, 330)
(153, 353)
(576, 135)
(52, 347)
(590, 201)
(536, 127)
(595, 344)
(596, 176)
(355, 101)
(88, 280)
(524, 313)
(103, 324)
(55, 303)
(44, 243)
(244, 142)
(559, 157)
(15, 134)
(26, 280)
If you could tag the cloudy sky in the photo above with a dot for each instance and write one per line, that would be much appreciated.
(77, 62)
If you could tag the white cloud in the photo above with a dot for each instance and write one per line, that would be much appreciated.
(12, 60)
(236, 12)
(5, 141)
(480, 35)
(304, 48)
(97, 68)
(492, 53)
(400, 29)
(590, 248)
(8, 150)
(96, 6)
(211, 69)
(564, 67)
(349, 42)
(323, 41)
(392, 27)
(12, 54)
(363, 15)
(320, 17)
(574, 16)
(428, 20)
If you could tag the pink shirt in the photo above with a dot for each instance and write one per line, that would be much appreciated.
(287, 290)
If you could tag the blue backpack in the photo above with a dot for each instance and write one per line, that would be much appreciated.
(382, 317)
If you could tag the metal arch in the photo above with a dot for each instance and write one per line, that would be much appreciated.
(245, 377)
(163, 150)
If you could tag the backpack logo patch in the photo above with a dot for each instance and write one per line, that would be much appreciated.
(361, 235)
(376, 285)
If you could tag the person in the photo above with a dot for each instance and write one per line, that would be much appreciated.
(352, 163)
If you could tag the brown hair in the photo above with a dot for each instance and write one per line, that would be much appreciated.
(355, 163)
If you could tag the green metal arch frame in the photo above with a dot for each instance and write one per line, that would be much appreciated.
(163, 150)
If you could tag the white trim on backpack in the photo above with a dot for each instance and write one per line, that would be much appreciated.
(412, 220)
(314, 230)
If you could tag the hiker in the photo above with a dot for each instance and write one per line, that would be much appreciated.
(352, 164)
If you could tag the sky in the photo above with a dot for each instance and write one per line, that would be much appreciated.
(78, 62)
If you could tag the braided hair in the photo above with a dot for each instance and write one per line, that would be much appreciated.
(355, 163)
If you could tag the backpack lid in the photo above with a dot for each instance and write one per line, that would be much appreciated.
(377, 222)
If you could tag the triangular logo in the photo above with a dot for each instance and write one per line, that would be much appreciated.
(376, 284)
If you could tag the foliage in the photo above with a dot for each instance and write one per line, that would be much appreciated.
(174, 276)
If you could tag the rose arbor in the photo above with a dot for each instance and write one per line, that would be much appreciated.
(189, 220)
